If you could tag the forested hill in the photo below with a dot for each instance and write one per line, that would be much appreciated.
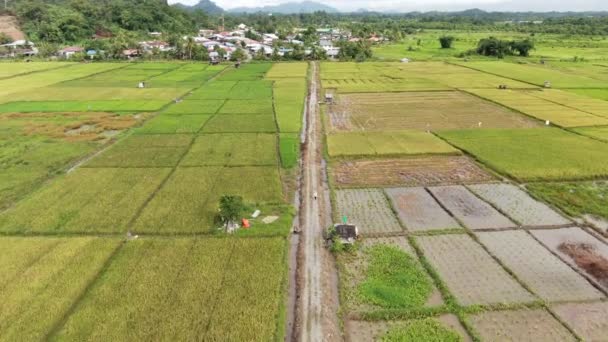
(206, 6)
(62, 21)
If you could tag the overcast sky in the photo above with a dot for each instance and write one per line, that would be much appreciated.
(430, 5)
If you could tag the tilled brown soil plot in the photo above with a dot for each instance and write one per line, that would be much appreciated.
(470, 210)
(588, 320)
(579, 249)
(545, 274)
(520, 325)
(421, 171)
(419, 211)
(361, 331)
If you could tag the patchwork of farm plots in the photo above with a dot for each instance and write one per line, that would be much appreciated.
(152, 177)
(428, 173)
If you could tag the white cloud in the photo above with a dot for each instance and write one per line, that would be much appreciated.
(431, 5)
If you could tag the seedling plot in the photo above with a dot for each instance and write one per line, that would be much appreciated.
(171, 124)
(519, 205)
(241, 123)
(419, 211)
(521, 325)
(188, 201)
(419, 171)
(233, 150)
(195, 107)
(87, 200)
(579, 249)
(368, 209)
(545, 274)
(445, 328)
(469, 272)
(588, 320)
(420, 111)
(183, 289)
(42, 278)
(470, 210)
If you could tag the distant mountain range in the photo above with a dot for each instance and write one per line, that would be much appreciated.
(210, 7)
(287, 8)
(307, 6)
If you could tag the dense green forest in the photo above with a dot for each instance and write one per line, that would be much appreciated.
(64, 21)
(67, 21)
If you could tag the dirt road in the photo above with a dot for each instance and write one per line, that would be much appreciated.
(317, 290)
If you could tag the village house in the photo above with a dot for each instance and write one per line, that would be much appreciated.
(69, 51)
(205, 33)
(269, 38)
(20, 48)
(150, 46)
(131, 53)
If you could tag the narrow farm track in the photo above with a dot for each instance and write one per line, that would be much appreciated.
(317, 307)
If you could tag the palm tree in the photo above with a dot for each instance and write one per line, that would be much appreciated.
(189, 47)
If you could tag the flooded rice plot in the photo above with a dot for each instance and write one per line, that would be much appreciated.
(521, 325)
(419, 171)
(368, 209)
(588, 320)
(579, 249)
(419, 211)
(469, 209)
(469, 272)
(545, 274)
(519, 205)
(364, 331)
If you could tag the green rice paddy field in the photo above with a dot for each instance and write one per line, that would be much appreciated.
(424, 45)
(396, 133)
(88, 162)
(86, 157)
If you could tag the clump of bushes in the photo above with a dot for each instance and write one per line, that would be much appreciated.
(494, 47)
